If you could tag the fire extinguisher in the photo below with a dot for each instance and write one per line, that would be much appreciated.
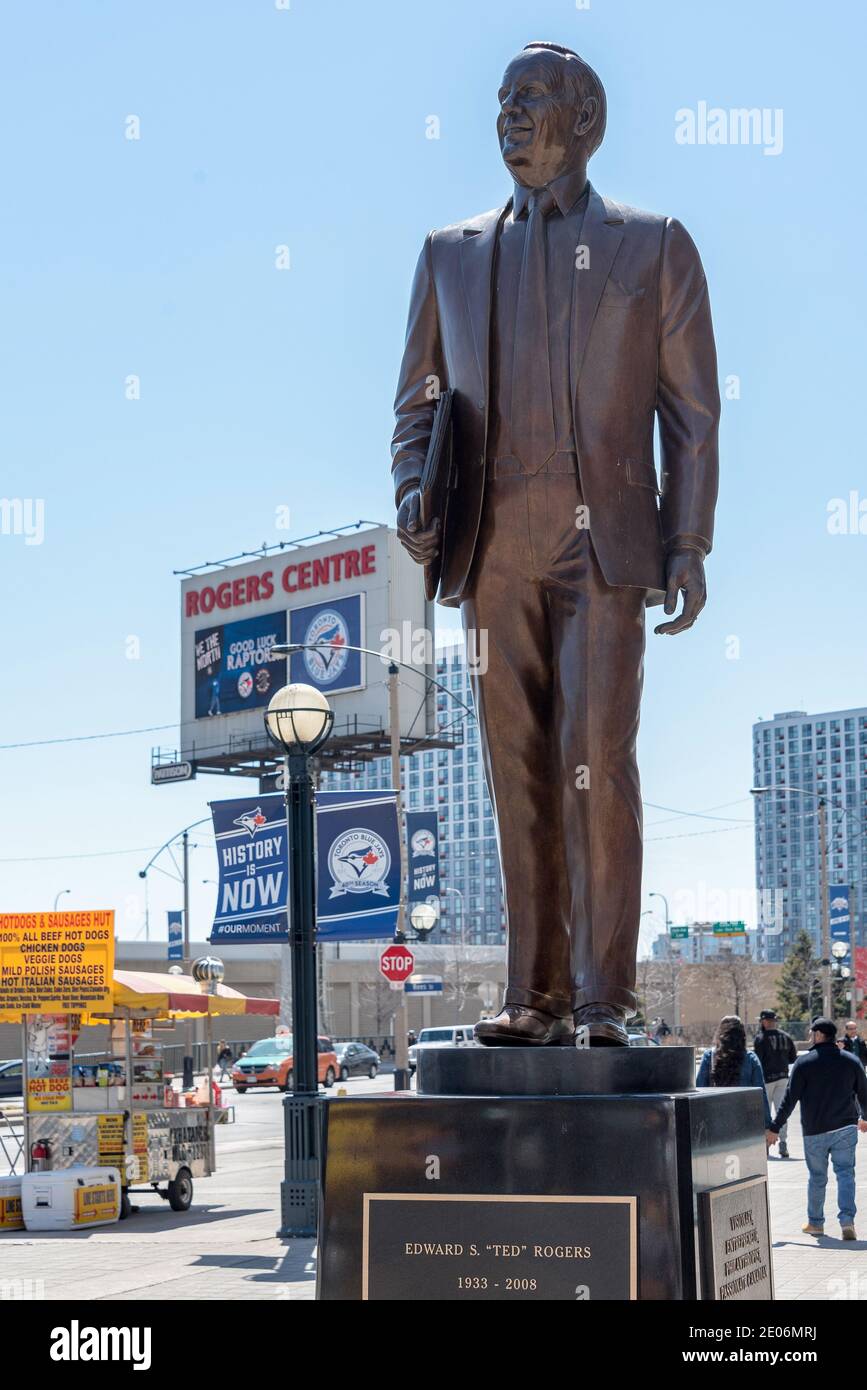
(40, 1155)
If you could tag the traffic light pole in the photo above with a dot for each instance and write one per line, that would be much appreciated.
(825, 911)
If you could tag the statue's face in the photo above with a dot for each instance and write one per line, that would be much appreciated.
(537, 122)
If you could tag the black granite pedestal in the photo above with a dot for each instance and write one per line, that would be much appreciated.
(554, 1174)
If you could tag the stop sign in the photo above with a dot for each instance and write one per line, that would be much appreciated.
(396, 964)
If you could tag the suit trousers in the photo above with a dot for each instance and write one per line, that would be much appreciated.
(558, 709)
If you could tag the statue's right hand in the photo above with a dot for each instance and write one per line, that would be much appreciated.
(423, 546)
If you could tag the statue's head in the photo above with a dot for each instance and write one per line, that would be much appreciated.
(552, 114)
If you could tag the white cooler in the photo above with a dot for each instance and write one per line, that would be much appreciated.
(10, 1204)
(71, 1199)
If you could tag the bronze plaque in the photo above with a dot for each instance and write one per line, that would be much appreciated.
(736, 1242)
(478, 1246)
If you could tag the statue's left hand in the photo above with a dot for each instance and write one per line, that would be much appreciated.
(684, 573)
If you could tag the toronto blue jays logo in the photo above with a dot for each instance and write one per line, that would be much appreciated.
(251, 821)
(358, 862)
(326, 664)
(423, 845)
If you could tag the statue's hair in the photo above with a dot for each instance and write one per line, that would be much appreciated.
(580, 81)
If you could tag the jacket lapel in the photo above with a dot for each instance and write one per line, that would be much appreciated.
(601, 233)
(477, 272)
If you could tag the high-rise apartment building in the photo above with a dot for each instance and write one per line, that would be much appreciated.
(807, 758)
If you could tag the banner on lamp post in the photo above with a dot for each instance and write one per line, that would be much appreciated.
(422, 843)
(358, 865)
(839, 916)
(176, 935)
(252, 858)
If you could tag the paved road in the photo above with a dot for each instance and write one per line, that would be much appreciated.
(226, 1247)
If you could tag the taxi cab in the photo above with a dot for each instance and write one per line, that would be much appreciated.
(269, 1062)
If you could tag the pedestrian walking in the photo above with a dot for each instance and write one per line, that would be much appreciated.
(728, 1063)
(852, 1043)
(224, 1060)
(831, 1087)
(661, 1030)
(776, 1051)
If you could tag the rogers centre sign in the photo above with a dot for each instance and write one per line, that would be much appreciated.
(294, 578)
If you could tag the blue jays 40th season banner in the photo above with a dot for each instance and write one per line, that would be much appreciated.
(254, 870)
(358, 865)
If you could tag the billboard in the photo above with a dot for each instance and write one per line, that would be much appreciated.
(360, 586)
(234, 666)
(340, 622)
(253, 890)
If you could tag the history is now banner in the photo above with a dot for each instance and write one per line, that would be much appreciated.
(253, 891)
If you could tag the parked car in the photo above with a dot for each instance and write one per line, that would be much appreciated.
(356, 1059)
(458, 1035)
(642, 1040)
(270, 1062)
(11, 1075)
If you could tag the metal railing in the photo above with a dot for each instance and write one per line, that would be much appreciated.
(12, 1137)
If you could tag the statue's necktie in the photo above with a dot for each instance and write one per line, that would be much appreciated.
(532, 423)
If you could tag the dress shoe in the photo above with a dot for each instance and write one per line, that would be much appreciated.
(784, 1152)
(605, 1023)
(517, 1024)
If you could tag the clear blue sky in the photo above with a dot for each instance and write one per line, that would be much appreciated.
(259, 388)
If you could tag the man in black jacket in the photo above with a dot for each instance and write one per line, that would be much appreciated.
(852, 1043)
(776, 1051)
(832, 1089)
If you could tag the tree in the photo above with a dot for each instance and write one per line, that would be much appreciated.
(736, 981)
(379, 1002)
(796, 985)
(464, 968)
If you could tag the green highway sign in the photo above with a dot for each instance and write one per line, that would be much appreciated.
(679, 933)
(729, 928)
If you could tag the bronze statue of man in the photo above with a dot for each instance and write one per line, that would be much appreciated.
(564, 323)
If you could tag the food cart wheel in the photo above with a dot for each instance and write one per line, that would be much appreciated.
(181, 1190)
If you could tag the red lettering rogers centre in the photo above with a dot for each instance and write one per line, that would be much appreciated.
(296, 577)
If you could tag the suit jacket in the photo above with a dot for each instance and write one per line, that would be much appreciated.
(641, 345)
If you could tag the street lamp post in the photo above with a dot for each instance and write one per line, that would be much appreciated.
(188, 1070)
(298, 720)
(460, 896)
(60, 895)
(675, 1003)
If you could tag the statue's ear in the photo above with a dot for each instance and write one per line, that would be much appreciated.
(587, 116)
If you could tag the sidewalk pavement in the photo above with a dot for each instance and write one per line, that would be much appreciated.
(806, 1267)
(226, 1247)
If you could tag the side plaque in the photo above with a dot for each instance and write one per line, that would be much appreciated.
(736, 1242)
(478, 1246)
